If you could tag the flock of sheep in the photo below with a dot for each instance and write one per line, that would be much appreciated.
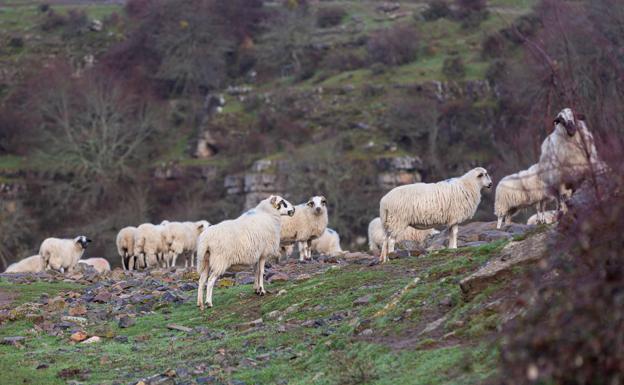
(407, 213)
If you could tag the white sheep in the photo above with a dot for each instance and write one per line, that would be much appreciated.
(568, 156)
(247, 240)
(181, 238)
(427, 205)
(376, 236)
(328, 243)
(546, 217)
(517, 191)
(149, 249)
(32, 264)
(63, 254)
(308, 223)
(125, 246)
(100, 265)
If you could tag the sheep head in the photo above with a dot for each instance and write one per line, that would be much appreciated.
(568, 120)
(282, 205)
(318, 204)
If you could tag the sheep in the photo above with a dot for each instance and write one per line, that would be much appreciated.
(308, 223)
(545, 217)
(328, 243)
(567, 156)
(100, 265)
(32, 264)
(517, 191)
(63, 254)
(427, 205)
(125, 246)
(376, 236)
(149, 247)
(249, 239)
(180, 238)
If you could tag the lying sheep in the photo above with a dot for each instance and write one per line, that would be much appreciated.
(149, 248)
(249, 239)
(568, 156)
(181, 238)
(517, 191)
(63, 254)
(125, 246)
(33, 264)
(427, 205)
(100, 265)
(545, 217)
(328, 243)
(308, 223)
(376, 236)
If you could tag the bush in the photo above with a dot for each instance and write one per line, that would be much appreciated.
(393, 46)
(453, 68)
(44, 7)
(52, 20)
(493, 46)
(330, 16)
(471, 12)
(437, 9)
(342, 60)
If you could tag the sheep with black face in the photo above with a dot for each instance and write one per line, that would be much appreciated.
(428, 205)
(308, 223)
(63, 254)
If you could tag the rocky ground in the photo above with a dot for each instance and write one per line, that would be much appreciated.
(332, 320)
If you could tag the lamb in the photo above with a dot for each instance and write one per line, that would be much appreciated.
(32, 264)
(328, 243)
(63, 254)
(100, 265)
(180, 238)
(517, 191)
(149, 248)
(567, 156)
(308, 223)
(376, 236)
(427, 205)
(249, 239)
(546, 217)
(125, 246)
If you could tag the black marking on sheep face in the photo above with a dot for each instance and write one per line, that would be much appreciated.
(485, 179)
(83, 241)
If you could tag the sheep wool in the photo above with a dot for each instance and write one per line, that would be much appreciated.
(63, 254)
(308, 223)
(376, 236)
(148, 245)
(517, 191)
(328, 243)
(247, 240)
(427, 205)
(100, 265)
(32, 264)
(125, 245)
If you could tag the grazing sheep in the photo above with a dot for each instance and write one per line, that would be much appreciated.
(249, 239)
(148, 245)
(517, 191)
(100, 265)
(62, 254)
(181, 238)
(308, 223)
(328, 243)
(125, 246)
(545, 217)
(427, 205)
(376, 236)
(33, 264)
(568, 156)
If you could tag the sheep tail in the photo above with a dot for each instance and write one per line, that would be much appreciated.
(383, 215)
(203, 258)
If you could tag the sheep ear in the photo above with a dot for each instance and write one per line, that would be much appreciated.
(274, 201)
(557, 120)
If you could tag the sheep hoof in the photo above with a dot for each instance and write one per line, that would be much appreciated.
(260, 292)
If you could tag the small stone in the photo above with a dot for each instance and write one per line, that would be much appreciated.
(188, 286)
(206, 380)
(102, 297)
(279, 277)
(56, 304)
(281, 292)
(75, 320)
(78, 310)
(92, 340)
(249, 325)
(121, 339)
(179, 328)
(273, 315)
(126, 322)
(366, 332)
(303, 277)
(78, 336)
(365, 300)
(170, 373)
(13, 341)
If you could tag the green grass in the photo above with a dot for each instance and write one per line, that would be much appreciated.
(10, 162)
(329, 354)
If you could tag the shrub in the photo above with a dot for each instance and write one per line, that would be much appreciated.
(493, 46)
(44, 7)
(453, 68)
(53, 20)
(436, 9)
(471, 12)
(393, 46)
(343, 60)
(330, 16)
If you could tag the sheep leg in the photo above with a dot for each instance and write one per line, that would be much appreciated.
(174, 259)
(391, 244)
(309, 249)
(499, 223)
(260, 277)
(302, 252)
(203, 277)
(383, 256)
(123, 261)
(453, 236)
(209, 286)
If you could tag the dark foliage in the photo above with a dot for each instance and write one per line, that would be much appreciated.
(471, 12)
(52, 20)
(344, 60)
(437, 9)
(330, 16)
(493, 46)
(453, 68)
(393, 46)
